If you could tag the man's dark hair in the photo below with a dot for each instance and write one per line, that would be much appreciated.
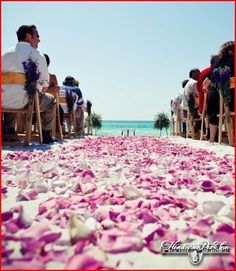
(23, 30)
(47, 59)
(184, 83)
(214, 59)
(192, 72)
(69, 81)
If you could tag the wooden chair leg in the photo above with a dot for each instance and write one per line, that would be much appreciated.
(69, 125)
(220, 121)
(176, 126)
(54, 125)
(232, 130)
(29, 123)
(202, 126)
(38, 117)
(74, 122)
(90, 125)
(20, 123)
(179, 127)
(173, 126)
(203, 115)
(178, 120)
(229, 126)
(58, 117)
(188, 124)
(54, 129)
(192, 128)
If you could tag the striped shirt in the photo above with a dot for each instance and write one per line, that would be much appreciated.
(79, 101)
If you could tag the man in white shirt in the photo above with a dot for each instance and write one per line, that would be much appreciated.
(15, 96)
(190, 89)
(191, 97)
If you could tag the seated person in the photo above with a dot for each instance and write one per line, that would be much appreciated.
(203, 86)
(226, 58)
(191, 96)
(70, 89)
(53, 87)
(184, 108)
(14, 96)
(178, 112)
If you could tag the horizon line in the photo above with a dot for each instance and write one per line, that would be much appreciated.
(124, 120)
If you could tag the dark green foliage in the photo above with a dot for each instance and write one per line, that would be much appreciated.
(161, 121)
(96, 121)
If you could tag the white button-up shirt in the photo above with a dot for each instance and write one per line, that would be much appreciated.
(190, 87)
(14, 96)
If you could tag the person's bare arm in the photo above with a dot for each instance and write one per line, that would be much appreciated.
(44, 89)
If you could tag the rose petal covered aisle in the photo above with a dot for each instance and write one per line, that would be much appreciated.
(109, 203)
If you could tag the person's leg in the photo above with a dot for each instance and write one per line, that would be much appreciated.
(4, 126)
(197, 124)
(61, 112)
(184, 126)
(231, 102)
(213, 124)
(212, 111)
(9, 119)
(207, 129)
(48, 106)
(213, 132)
(80, 121)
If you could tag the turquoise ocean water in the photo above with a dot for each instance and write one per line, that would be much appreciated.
(142, 128)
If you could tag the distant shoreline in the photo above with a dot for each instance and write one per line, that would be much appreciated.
(115, 127)
(131, 120)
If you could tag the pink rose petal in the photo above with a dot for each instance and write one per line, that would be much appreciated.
(226, 189)
(21, 264)
(50, 237)
(87, 187)
(36, 229)
(208, 186)
(118, 244)
(228, 228)
(83, 262)
(27, 195)
(6, 216)
(63, 203)
(223, 237)
(11, 227)
(80, 246)
(6, 252)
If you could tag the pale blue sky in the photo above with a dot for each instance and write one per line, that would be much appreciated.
(130, 57)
